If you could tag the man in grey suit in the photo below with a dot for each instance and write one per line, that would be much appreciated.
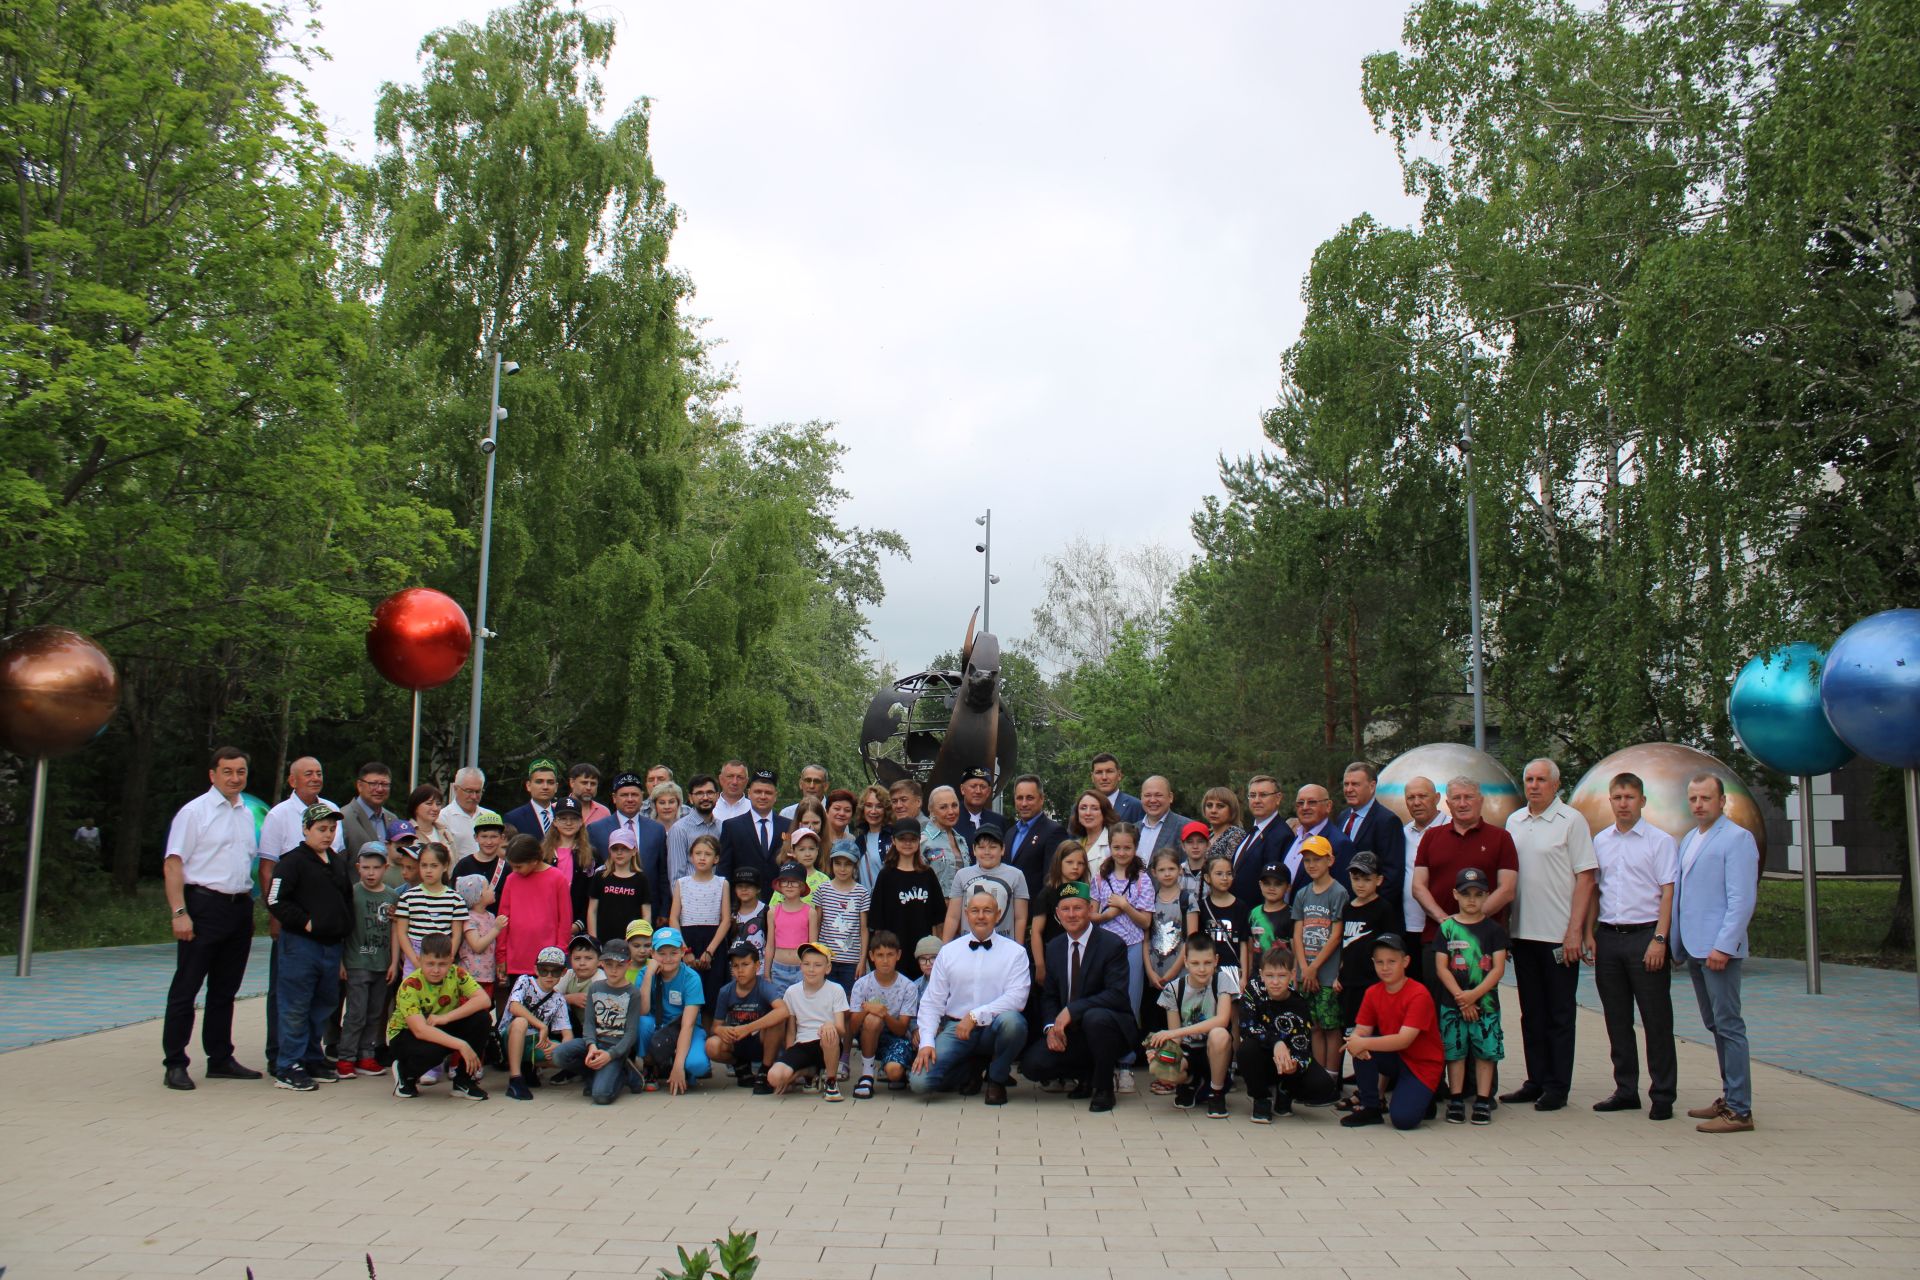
(366, 816)
(1159, 824)
(1713, 901)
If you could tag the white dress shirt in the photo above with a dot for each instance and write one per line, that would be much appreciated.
(1294, 856)
(984, 981)
(1553, 846)
(286, 824)
(731, 808)
(1634, 865)
(458, 824)
(214, 839)
(1150, 834)
(1416, 917)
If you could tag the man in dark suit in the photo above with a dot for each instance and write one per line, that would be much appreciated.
(1160, 826)
(753, 838)
(1368, 825)
(1106, 780)
(1084, 1010)
(536, 815)
(976, 793)
(1033, 836)
(649, 839)
(1313, 816)
(1269, 840)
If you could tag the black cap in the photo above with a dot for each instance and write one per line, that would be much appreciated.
(627, 780)
(976, 774)
(583, 942)
(1365, 863)
(747, 875)
(566, 804)
(743, 950)
(1392, 940)
(1471, 878)
(909, 829)
(1274, 871)
(989, 835)
(763, 775)
(791, 871)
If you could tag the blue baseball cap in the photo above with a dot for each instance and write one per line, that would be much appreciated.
(667, 937)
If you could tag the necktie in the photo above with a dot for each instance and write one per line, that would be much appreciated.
(1073, 971)
(1348, 829)
(978, 945)
(546, 819)
(764, 845)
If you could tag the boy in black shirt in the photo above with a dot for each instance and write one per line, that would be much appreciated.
(1276, 1045)
(745, 1000)
(312, 898)
(1366, 914)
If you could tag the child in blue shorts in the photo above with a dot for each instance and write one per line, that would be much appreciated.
(884, 1003)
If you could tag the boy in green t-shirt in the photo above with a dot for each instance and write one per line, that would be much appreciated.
(370, 965)
(1468, 963)
(1270, 923)
(439, 1009)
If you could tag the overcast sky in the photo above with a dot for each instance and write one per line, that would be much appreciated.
(1039, 257)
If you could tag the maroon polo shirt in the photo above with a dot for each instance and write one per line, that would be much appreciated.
(1445, 853)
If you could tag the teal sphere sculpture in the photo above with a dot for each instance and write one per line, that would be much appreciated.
(1777, 716)
(1871, 687)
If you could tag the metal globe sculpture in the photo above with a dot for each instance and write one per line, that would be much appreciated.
(1870, 688)
(58, 690)
(1777, 717)
(419, 638)
(1665, 768)
(1439, 761)
(933, 726)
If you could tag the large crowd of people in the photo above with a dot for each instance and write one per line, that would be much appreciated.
(890, 939)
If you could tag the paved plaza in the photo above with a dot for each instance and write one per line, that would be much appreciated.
(108, 1174)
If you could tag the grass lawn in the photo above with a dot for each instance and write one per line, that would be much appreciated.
(111, 918)
(1853, 921)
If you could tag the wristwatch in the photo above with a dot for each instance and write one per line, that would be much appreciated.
(1660, 938)
(178, 912)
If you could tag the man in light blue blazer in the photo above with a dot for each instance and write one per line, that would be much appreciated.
(1713, 901)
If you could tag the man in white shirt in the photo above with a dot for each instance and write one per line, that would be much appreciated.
(208, 869)
(468, 786)
(1423, 806)
(1627, 947)
(733, 792)
(280, 831)
(1551, 907)
(971, 1009)
(813, 786)
(1159, 824)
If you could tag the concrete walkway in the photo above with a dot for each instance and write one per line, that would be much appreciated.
(109, 1174)
(74, 993)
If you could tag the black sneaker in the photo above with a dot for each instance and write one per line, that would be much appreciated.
(1184, 1096)
(403, 1087)
(1216, 1104)
(322, 1072)
(744, 1077)
(1283, 1105)
(1360, 1117)
(464, 1087)
(517, 1089)
(1456, 1111)
(1262, 1111)
(761, 1089)
(296, 1079)
(1482, 1111)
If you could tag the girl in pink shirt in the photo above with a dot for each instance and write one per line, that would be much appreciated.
(535, 902)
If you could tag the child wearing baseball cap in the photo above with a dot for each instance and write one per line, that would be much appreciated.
(1472, 957)
(818, 1011)
(671, 999)
(613, 1027)
(1396, 1046)
(733, 1034)
(536, 1009)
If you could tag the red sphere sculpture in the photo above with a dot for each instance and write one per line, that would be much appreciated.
(58, 689)
(419, 638)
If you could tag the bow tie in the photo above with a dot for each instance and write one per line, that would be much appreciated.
(977, 944)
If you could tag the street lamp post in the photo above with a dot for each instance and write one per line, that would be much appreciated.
(1473, 585)
(985, 548)
(489, 445)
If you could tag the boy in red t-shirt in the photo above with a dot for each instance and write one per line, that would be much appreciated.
(1396, 1043)
(536, 902)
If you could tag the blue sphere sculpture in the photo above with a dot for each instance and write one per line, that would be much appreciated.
(1776, 713)
(1871, 688)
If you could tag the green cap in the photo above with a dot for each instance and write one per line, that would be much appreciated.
(319, 813)
(551, 766)
(1076, 889)
(485, 818)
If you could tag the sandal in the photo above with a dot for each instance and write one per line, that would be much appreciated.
(1349, 1103)
(864, 1089)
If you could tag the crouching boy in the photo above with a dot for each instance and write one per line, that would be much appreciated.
(439, 1009)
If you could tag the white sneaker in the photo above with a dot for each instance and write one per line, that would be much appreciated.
(430, 1077)
(1123, 1081)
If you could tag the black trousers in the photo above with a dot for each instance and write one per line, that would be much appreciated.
(1546, 1015)
(1620, 974)
(216, 958)
(416, 1056)
(1095, 1044)
(1312, 1084)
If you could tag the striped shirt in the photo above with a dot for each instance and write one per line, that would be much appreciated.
(429, 913)
(841, 911)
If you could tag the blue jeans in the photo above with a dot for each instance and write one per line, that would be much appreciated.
(1410, 1097)
(309, 989)
(953, 1057)
(698, 1067)
(782, 976)
(1719, 997)
(607, 1077)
